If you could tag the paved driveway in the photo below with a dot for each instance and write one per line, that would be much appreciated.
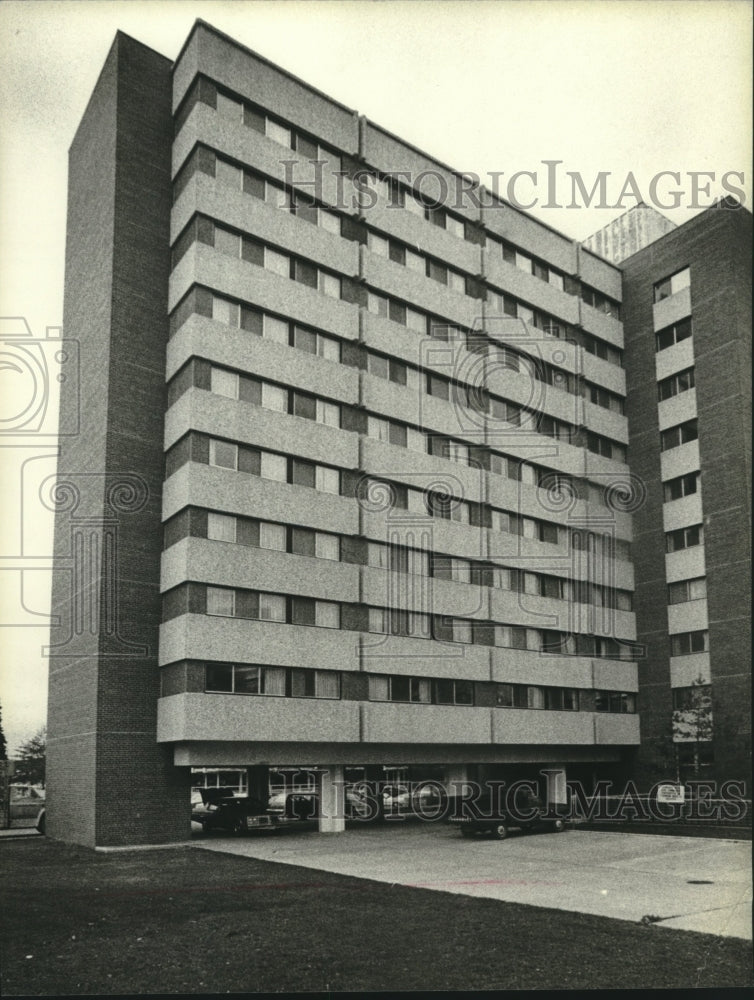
(690, 882)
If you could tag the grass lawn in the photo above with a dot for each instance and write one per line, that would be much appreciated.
(73, 921)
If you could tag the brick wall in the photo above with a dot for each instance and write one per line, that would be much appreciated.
(109, 782)
(717, 247)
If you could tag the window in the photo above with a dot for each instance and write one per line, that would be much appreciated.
(327, 614)
(685, 643)
(617, 702)
(229, 108)
(512, 637)
(275, 329)
(278, 133)
(303, 541)
(218, 677)
(604, 398)
(314, 683)
(327, 546)
(327, 480)
(274, 397)
(272, 607)
(379, 245)
(673, 334)
(223, 454)
(455, 226)
(221, 527)
(448, 692)
(673, 437)
(416, 321)
(689, 699)
(272, 536)
(225, 311)
(303, 473)
(682, 486)
(274, 467)
(672, 285)
(221, 601)
(687, 590)
(329, 285)
(605, 446)
(377, 304)
(276, 262)
(675, 384)
(399, 688)
(224, 383)
(303, 405)
(684, 538)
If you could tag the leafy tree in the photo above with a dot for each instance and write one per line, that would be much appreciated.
(30, 759)
(3, 744)
(692, 722)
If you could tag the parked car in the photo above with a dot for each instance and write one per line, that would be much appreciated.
(418, 797)
(234, 814)
(485, 816)
(297, 804)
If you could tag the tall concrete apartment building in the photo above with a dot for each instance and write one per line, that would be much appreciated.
(351, 490)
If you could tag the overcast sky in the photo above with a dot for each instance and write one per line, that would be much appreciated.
(621, 86)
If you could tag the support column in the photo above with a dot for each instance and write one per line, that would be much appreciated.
(557, 791)
(258, 782)
(456, 775)
(332, 800)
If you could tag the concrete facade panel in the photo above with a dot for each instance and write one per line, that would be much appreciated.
(670, 310)
(233, 718)
(227, 564)
(389, 723)
(529, 726)
(237, 640)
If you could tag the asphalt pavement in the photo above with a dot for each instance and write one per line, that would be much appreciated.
(674, 882)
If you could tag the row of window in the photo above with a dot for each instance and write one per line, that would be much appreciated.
(270, 465)
(401, 559)
(687, 590)
(598, 300)
(234, 602)
(243, 112)
(294, 682)
(272, 396)
(283, 682)
(253, 251)
(529, 264)
(429, 267)
(326, 479)
(250, 182)
(674, 385)
(673, 334)
(693, 698)
(281, 399)
(681, 486)
(238, 110)
(684, 538)
(685, 643)
(254, 183)
(672, 285)
(680, 434)
(256, 533)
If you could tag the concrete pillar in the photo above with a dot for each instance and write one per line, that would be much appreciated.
(332, 800)
(258, 782)
(456, 776)
(557, 792)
